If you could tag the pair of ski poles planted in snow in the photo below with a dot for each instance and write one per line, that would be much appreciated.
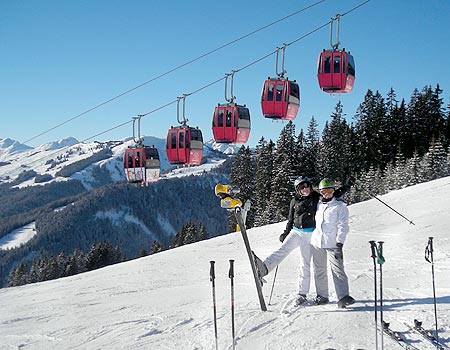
(212, 275)
(378, 258)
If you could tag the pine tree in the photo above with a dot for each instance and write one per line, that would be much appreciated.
(264, 154)
(371, 135)
(434, 162)
(283, 179)
(191, 234)
(202, 232)
(18, 276)
(76, 263)
(395, 120)
(102, 254)
(311, 152)
(179, 237)
(156, 248)
(411, 169)
(336, 147)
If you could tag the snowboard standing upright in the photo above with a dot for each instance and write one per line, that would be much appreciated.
(227, 201)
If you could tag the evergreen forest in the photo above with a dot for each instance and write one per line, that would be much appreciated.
(389, 144)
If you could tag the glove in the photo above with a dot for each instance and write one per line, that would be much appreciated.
(283, 236)
(350, 181)
(338, 254)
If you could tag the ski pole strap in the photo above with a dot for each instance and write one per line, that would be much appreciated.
(429, 250)
(380, 257)
(231, 271)
(212, 274)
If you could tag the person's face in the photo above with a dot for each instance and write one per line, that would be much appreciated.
(327, 193)
(304, 189)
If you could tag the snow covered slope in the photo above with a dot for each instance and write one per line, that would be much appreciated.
(164, 301)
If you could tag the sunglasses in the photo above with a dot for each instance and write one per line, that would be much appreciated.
(326, 190)
(302, 186)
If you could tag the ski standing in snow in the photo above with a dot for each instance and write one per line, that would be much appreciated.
(227, 193)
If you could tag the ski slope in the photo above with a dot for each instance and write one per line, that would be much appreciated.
(164, 301)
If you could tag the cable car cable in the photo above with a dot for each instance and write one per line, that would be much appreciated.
(173, 70)
(201, 88)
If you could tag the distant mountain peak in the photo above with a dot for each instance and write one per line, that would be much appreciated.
(9, 146)
(67, 142)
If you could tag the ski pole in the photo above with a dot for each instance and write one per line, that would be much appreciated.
(373, 248)
(273, 284)
(231, 276)
(430, 259)
(387, 205)
(381, 260)
(212, 276)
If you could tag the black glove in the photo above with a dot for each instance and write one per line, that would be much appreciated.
(283, 236)
(350, 181)
(338, 254)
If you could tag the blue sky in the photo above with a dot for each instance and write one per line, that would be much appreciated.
(61, 58)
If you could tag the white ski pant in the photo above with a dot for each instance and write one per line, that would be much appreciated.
(300, 239)
(337, 270)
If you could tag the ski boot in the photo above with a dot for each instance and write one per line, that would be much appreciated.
(301, 299)
(345, 301)
(261, 268)
(320, 300)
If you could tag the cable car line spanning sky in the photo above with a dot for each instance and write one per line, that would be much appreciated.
(173, 70)
(199, 89)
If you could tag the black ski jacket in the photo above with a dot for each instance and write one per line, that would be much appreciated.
(302, 210)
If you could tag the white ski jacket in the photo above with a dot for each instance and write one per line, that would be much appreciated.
(331, 224)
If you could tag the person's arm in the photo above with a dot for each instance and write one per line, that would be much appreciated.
(345, 188)
(342, 224)
(290, 222)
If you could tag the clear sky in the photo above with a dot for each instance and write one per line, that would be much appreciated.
(61, 58)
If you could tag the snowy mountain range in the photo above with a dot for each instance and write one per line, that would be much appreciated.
(164, 301)
(49, 159)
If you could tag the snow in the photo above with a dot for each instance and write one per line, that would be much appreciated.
(17, 237)
(117, 217)
(52, 157)
(164, 301)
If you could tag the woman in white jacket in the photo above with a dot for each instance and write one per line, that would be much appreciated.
(327, 240)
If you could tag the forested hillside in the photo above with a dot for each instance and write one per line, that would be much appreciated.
(127, 216)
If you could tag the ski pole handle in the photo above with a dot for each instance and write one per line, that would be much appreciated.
(373, 248)
(212, 274)
(231, 271)
(429, 250)
(380, 256)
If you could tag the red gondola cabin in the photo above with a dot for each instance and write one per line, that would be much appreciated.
(231, 123)
(280, 99)
(141, 164)
(184, 145)
(336, 71)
